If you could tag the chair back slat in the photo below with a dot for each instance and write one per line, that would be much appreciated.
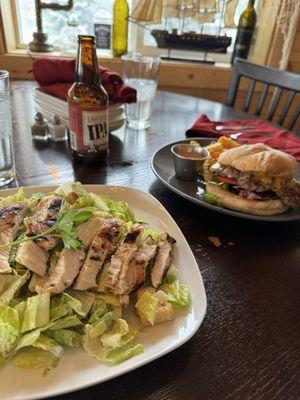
(249, 95)
(261, 101)
(286, 107)
(295, 116)
(270, 77)
(274, 103)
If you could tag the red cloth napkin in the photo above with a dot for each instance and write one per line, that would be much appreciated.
(55, 76)
(262, 133)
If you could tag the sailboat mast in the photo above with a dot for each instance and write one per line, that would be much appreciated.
(222, 16)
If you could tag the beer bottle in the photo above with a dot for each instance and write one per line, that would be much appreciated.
(120, 27)
(88, 106)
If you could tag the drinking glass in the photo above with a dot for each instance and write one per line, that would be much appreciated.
(141, 73)
(7, 171)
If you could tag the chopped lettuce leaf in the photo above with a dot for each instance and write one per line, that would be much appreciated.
(102, 343)
(14, 198)
(147, 306)
(98, 328)
(48, 344)
(33, 359)
(66, 322)
(80, 302)
(9, 330)
(59, 308)
(34, 312)
(120, 334)
(28, 339)
(152, 233)
(99, 308)
(178, 294)
(9, 285)
(66, 337)
(44, 354)
(125, 352)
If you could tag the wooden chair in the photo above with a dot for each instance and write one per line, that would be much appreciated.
(281, 80)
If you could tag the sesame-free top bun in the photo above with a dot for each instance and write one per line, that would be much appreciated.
(255, 207)
(259, 158)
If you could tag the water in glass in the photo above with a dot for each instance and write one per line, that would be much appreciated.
(141, 73)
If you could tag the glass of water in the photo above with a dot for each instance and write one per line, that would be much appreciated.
(7, 171)
(141, 73)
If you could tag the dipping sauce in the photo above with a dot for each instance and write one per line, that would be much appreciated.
(192, 151)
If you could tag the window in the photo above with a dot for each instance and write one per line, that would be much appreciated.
(148, 45)
(63, 27)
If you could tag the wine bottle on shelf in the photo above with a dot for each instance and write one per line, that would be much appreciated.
(120, 27)
(245, 32)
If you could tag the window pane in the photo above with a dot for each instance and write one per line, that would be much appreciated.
(211, 28)
(55, 23)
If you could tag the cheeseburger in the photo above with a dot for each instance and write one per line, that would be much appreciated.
(254, 179)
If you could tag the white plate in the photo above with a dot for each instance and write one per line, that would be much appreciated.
(76, 369)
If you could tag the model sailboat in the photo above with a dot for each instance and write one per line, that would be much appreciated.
(200, 11)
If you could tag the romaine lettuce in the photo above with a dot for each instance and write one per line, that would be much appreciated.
(147, 306)
(9, 330)
(178, 294)
(14, 198)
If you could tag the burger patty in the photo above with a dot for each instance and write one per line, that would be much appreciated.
(289, 192)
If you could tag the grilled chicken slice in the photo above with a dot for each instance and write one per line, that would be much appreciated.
(11, 216)
(163, 259)
(88, 230)
(137, 268)
(37, 281)
(98, 251)
(64, 272)
(119, 263)
(44, 217)
(33, 257)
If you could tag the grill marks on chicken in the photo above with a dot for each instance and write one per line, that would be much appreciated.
(163, 259)
(119, 263)
(88, 230)
(44, 217)
(102, 244)
(137, 269)
(11, 217)
(64, 272)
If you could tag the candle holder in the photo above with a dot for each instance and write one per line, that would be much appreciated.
(39, 43)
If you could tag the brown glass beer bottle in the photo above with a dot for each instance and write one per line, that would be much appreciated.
(88, 106)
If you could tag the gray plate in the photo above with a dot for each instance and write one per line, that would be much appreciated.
(162, 166)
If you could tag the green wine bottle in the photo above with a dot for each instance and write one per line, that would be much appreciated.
(120, 27)
(245, 32)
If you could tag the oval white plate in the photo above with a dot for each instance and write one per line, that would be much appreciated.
(76, 369)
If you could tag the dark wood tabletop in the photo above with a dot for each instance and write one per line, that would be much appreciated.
(248, 346)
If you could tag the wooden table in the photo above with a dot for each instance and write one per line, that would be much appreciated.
(248, 345)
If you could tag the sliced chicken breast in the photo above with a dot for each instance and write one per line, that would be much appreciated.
(64, 272)
(44, 217)
(38, 281)
(88, 231)
(11, 217)
(137, 268)
(163, 259)
(98, 251)
(116, 279)
(33, 257)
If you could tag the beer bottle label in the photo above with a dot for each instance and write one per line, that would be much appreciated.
(88, 128)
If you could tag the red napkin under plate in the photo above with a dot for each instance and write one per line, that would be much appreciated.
(55, 76)
(262, 132)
